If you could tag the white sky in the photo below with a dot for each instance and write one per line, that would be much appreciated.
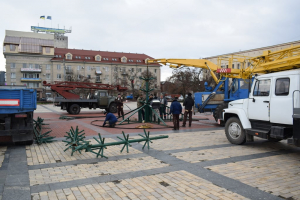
(160, 28)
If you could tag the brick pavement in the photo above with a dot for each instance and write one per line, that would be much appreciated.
(190, 164)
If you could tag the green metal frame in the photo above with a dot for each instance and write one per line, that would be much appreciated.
(75, 142)
(37, 130)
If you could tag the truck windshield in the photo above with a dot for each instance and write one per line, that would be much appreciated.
(244, 83)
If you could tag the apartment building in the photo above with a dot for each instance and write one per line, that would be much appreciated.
(32, 58)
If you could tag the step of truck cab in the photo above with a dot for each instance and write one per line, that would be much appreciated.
(257, 132)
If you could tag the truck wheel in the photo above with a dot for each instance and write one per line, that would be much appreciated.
(74, 109)
(113, 108)
(219, 110)
(234, 131)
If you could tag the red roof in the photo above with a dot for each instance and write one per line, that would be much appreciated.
(89, 56)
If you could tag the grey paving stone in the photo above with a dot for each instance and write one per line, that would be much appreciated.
(15, 192)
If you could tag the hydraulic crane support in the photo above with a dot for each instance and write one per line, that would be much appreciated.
(64, 87)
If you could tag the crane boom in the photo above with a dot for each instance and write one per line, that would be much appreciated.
(285, 59)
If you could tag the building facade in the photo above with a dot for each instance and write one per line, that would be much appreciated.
(32, 58)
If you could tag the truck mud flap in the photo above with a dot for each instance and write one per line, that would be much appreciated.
(23, 137)
(296, 131)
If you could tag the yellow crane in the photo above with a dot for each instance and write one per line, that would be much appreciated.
(285, 59)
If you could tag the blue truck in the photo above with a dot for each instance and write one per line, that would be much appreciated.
(217, 99)
(17, 105)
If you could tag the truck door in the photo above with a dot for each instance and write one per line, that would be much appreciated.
(259, 101)
(103, 99)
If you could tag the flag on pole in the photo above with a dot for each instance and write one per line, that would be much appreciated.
(49, 17)
(42, 17)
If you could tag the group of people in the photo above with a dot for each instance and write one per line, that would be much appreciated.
(175, 109)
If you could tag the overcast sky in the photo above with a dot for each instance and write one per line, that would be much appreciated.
(160, 28)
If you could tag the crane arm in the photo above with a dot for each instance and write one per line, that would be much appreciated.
(199, 63)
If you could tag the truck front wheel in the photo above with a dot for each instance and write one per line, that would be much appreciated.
(234, 131)
(113, 108)
(74, 109)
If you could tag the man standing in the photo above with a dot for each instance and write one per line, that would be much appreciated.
(163, 105)
(140, 103)
(188, 103)
(119, 101)
(175, 109)
(110, 119)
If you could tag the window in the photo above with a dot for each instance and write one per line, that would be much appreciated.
(58, 67)
(31, 66)
(79, 57)
(238, 65)
(69, 57)
(116, 69)
(58, 76)
(262, 88)
(76, 57)
(97, 68)
(4, 49)
(78, 67)
(12, 75)
(89, 76)
(48, 67)
(12, 65)
(24, 65)
(139, 70)
(69, 67)
(59, 56)
(232, 66)
(155, 70)
(97, 58)
(47, 49)
(89, 68)
(132, 69)
(98, 79)
(103, 94)
(12, 47)
(33, 85)
(36, 66)
(124, 59)
(106, 78)
(48, 76)
(105, 69)
(282, 87)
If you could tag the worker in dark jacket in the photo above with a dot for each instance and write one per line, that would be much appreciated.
(175, 109)
(111, 119)
(119, 101)
(188, 103)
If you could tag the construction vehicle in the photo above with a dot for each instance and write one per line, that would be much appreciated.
(216, 99)
(17, 104)
(72, 103)
(272, 110)
(241, 77)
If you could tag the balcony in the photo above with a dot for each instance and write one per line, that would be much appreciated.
(31, 70)
(69, 71)
(31, 79)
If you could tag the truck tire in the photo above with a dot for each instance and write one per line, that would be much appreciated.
(112, 108)
(74, 109)
(234, 131)
(219, 110)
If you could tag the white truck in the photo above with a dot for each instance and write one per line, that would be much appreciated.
(272, 110)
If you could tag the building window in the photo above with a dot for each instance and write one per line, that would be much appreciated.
(12, 75)
(98, 79)
(24, 65)
(12, 47)
(78, 67)
(31, 66)
(4, 49)
(106, 77)
(89, 68)
(48, 67)
(89, 76)
(69, 67)
(58, 76)
(69, 57)
(116, 69)
(232, 66)
(124, 59)
(97, 68)
(155, 70)
(58, 67)
(36, 66)
(139, 70)
(98, 58)
(47, 49)
(33, 85)
(238, 65)
(48, 76)
(105, 69)
(132, 69)
(12, 65)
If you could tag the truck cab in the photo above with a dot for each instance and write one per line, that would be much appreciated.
(269, 112)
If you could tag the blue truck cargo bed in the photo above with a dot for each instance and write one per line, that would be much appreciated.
(17, 100)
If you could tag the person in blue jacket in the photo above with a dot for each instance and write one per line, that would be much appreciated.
(175, 109)
(111, 119)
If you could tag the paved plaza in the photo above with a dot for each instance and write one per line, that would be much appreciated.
(195, 162)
